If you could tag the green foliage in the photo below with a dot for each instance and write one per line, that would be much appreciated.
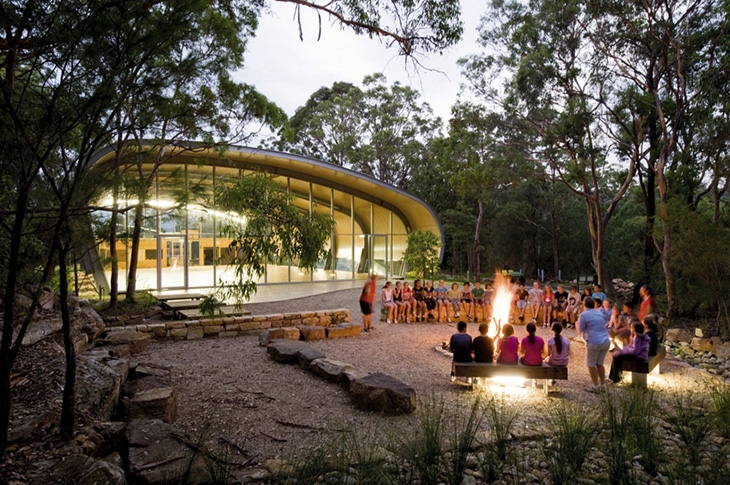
(572, 434)
(379, 130)
(425, 446)
(265, 225)
(465, 424)
(422, 253)
(702, 261)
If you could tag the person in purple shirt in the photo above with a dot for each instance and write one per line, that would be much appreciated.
(638, 349)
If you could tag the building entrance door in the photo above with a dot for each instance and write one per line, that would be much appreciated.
(375, 255)
(172, 265)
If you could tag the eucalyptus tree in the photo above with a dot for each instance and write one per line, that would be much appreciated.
(545, 75)
(380, 130)
(667, 51)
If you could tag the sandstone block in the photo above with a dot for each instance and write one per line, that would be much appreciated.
(157, 403)
(233, 327)
(171, 325)
(195, 333)
(142, 328)
(137, 341)
(384, 394)
(243, 319)
(178, 333)
(330, 370)
(159, 330)
(250, 326)
(228, 320)
(296, 322)
(344, 330)
(678, 335)
(307, 354)
(212, 322)
(213, 329)
(144, 370)
(275, 316)
(285, 333)
(325, 320)
(278, 323)
(312, 333)
(701, 344)
(307, 314)
(310, 321)
(285, 351)
(193, 323)
(699, 333)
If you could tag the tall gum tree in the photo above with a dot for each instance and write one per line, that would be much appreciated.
(546, 79)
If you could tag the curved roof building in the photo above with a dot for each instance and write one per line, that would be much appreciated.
(181, 247)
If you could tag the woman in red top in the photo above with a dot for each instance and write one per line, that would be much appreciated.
(647, 302)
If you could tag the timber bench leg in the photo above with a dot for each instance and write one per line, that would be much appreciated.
(545, 384)
(638, 379)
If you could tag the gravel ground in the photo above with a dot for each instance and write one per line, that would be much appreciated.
(229, 387)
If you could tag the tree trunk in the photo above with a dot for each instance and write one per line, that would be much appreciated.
(554, 232)
(666, 252)
(6, 356)
(598, 236)
(67, 408)
(134, 256)
(114, 278)
(477, 242)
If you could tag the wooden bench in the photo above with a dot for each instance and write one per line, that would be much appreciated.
(544, 372)
(640, 368)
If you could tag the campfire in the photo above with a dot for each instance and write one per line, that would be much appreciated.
(501, 304)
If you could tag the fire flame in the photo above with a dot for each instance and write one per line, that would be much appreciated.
(501, 304)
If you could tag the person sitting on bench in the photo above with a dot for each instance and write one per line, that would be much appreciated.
(638, 349)
(483, 346)
(532, 347)
(507, 346)
(460, 344)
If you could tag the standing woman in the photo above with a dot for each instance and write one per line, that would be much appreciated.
(647, 302)
(548, 300)
(592, 327)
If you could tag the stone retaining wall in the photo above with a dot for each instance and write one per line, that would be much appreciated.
(235, 326)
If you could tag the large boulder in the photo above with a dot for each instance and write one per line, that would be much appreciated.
(99, 381)
(722, 351)
(383, 394)
(158, 455)
(307, 354)
(701, 344)
(331, 370)
(676, 335)
(285, 351)
(80, 469)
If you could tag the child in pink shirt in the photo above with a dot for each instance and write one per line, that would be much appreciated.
(532, 348)
(507, 345)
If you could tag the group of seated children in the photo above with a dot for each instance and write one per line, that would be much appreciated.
(531, 350)
(419, 303)
(644, 343)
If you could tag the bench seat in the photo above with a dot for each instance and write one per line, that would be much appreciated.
(640, 368)
(545, 372)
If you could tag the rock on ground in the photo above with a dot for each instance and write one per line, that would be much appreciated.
(383, 393)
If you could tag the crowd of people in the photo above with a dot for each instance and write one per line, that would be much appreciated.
(604, 327)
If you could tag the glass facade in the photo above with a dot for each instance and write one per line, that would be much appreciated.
(181, 245)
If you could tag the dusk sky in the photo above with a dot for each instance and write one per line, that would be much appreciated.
(288, 70)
